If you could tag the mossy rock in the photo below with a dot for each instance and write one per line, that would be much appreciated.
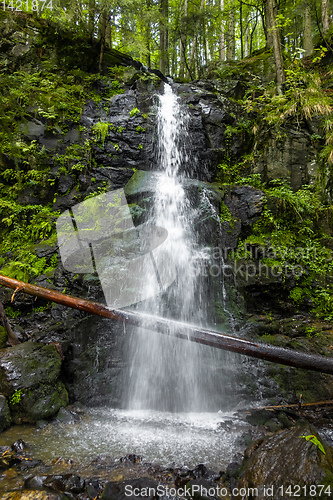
(39, 403)
(29, 378)
(5, 418)
(284, 459)
(3, 337)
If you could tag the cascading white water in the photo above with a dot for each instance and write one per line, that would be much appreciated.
(171, 381)
(167, 373)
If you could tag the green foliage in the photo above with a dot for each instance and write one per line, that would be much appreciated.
(315, 441)
(226, 215)
(11, 313)
(290, 240)
(100, 130)
(21, 226)
(16, 397)
(134, 112)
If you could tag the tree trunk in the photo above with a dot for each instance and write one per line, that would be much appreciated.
(325, 16)
(241, 26)
(221, 38)
(91, 18)
(148, 36)
(192, 61)
(268, 26)
(182, 43)
(164, 61)
(307, 31)
(102, 32)
(231, 43)
(277, 49)
(323, 364)
(246, 38)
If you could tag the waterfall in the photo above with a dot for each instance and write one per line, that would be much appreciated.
(169, 374)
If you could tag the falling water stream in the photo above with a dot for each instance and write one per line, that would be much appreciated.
(166, 373)
(173, 394)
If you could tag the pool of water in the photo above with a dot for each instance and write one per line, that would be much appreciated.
(158, 437)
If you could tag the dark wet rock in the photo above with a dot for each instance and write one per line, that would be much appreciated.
(65, 483)
(93, 488)
(203, 489)
(245, 204)
(200, 471)
(32, 495)
(291, 157)
(131, 458)
(66, 416)
(19, 446)
(259, 417)
(66, 182)
(286, 459)
(142, 488)
(8, 457)
(35, 195)
(29, 377)
(41, 424)
(35, 482)
(33, 129)
(5, 418)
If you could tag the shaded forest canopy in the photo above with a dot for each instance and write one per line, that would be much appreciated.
(182, 37)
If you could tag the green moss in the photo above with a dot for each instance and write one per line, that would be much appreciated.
(3, 337)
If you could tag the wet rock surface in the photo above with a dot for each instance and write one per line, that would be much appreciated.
(284, 459)
(265, 463)
(29, 377)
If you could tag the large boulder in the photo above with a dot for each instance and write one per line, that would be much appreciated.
(29, 377)
(5, 418)
(287, 459)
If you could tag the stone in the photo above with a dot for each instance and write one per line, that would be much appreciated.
(32, 495)
(65, 183)
(71, 483)
(121, 491)
(33, 129)
(286, 459)
(93, 488)
(65, 416)
(291, 157)
(245, 204)
(203, 489)
(19, 446)
(29, 377)
(73, 135)
(3, 337)
(5, 417)
(34, 482)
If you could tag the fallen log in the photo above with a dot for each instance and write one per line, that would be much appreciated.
(292, 406)
(181, 330)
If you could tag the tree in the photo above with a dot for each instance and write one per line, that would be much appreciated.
(325, 16)
(230, 35)
(221, 37)
(307, 31)
(274, 35)
(164, 18)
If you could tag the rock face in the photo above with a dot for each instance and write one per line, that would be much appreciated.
(5, 418)
(286, 459)
(29, 378)
(292, 157)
